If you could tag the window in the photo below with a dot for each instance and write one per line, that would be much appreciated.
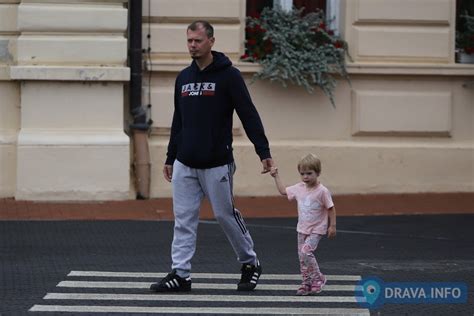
(465, 31)
(330, 7)
(254, 7)
(294, 49)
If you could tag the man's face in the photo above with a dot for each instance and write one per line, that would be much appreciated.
(199, 45)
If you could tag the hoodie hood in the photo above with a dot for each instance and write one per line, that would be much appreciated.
(220, 61)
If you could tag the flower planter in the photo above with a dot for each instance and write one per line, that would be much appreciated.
(466, 58)
(298, 49)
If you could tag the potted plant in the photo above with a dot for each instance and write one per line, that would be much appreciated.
(465, 39)
(293, 48)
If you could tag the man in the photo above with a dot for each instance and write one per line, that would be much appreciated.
(199, 160)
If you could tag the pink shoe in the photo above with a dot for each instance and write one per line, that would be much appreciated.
(304, 289)
(318, 285)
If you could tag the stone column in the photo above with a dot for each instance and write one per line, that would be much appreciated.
(72, 68)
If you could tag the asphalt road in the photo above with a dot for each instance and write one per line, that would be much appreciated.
(72, 266)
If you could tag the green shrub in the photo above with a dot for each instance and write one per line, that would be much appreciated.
(296, 49)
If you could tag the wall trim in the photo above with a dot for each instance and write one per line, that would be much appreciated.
(352, 68)
(70, 73)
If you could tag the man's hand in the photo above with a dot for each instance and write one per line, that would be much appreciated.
(267, 165)
(331, 231)
(168, 172)
(274, 171)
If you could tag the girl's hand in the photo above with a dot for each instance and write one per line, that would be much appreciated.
(273, 171)
(332, 231)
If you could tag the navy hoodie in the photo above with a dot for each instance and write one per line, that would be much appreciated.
(204, 103)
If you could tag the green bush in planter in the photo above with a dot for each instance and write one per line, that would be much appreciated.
(296, 49)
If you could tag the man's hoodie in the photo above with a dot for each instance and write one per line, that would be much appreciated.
(201, 132)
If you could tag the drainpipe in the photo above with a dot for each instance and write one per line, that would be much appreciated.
(140, 127)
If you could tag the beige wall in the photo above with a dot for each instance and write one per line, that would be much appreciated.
(9, 98)
(9, 126)
(404, 124)
(400, 31)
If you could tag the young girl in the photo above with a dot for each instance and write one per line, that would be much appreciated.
(315, 210)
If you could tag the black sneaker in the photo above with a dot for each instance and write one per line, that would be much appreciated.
(249, 278)
(172, 283)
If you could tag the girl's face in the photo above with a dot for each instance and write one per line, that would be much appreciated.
(309, 177)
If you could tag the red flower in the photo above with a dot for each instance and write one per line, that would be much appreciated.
(251, 41)
(244, 56)
(259, 29)
(338, 44)
(268, 46)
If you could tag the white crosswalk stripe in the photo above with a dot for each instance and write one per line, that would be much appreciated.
(201, 298)
(201, 310)
(158, 275)
(208, 286)
(89, 288)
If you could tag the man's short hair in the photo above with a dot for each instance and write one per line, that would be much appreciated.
(202, 23)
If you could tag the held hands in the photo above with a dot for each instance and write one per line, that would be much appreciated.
(267, 165)
(274, 171)
(331, 231)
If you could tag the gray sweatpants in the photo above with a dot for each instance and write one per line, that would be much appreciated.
(190, 186)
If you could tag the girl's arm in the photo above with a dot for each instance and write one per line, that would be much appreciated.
(332, 222)
(281, 188)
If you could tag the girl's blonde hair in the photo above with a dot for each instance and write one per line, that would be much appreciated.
(311, 162)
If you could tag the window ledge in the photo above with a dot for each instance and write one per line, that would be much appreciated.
(70, 73)
(178, 65)
(4, 72)
(352, 68)
(411, 69)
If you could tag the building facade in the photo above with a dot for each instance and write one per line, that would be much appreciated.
(405, 124)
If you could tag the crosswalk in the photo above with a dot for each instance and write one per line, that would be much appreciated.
(127, 292)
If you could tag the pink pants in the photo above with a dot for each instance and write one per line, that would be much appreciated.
(309, 267)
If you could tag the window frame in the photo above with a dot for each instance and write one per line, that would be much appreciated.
(332, 12)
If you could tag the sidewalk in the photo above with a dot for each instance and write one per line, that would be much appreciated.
(251, 207)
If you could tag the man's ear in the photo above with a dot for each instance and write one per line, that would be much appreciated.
(212, 39)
